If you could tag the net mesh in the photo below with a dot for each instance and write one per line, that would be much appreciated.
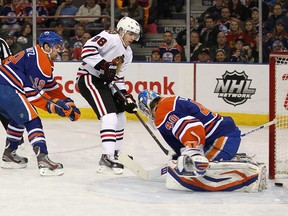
(281, 114)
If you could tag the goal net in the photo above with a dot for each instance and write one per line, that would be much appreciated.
(278, 109)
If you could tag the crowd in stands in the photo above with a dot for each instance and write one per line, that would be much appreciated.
(228, 31)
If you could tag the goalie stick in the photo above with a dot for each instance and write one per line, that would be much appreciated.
(142, 173)
(268, 124)
(166, 151)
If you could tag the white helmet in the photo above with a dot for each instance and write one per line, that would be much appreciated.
(128, 24)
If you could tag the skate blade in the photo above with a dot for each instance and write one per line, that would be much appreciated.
(48, 172)
(108, 170)
(12, 165)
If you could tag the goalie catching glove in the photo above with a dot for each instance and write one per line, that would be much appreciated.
(128, 103)
(192, 162)
(108, 70)
(75, 114)
(58, 106)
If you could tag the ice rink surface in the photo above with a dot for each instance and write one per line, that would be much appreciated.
(83, 192)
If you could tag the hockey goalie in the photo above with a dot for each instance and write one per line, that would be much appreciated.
(205, 145)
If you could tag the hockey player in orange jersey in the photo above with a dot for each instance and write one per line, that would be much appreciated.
(26, 80)
(205, 145)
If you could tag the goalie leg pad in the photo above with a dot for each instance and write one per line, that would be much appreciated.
(221, 176)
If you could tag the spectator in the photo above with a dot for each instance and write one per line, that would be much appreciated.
(220, 56)
(65, 56)
(265, 9)
(107, 12)
(240, 52)
(41, 14)
(223, 24)
(277, 40)
(50, 5)
(59, 29)
(76, 54)
(234, 33)
(134, 11)
(249, 32)
(255, 18)
(238, 10)
(10, 25)
(13, 45)
(66, 9)
(204, 56)
(76, 41)
(277, 14)
(284, 4)
(253, 52)
(90, 8)
(182, 35)
(201, 21)
(156, 55)
(209, 35)
(215, 10)
(25, 38)
(177, 57)
(169, 48)
(221, 44)
(195, 46)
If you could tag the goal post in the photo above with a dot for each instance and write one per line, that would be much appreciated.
(278, 109)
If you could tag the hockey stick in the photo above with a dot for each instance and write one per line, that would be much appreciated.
(260, 127)
(142, 173)
(166, 151)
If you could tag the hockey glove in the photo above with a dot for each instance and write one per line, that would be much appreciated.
(192, 162)
(75, 114)
(108, 70)
(128, 104)
(59, 107)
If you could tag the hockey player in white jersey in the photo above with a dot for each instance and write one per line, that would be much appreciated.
(105, 58)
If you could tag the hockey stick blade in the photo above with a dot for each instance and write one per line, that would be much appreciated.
(268, 124)
(142, 173)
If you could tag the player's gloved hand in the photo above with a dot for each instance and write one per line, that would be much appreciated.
(58, 106)
(108, 70)
(75, 114)
(192, 162)
(129, 103)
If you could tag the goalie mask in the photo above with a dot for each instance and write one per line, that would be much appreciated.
(51, 38)
(145, 101)
(127, 24)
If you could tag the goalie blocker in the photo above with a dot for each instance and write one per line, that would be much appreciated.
(240, 175)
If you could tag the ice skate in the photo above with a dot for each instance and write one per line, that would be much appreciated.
(48, 167)
(10, 160)
(108, 163)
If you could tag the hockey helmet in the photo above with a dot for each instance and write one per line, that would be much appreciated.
(145, 99)
(128, 24)
(51, 38)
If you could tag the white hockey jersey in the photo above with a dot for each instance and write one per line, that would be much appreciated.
(106, 45)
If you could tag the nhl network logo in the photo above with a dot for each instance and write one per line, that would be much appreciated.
(234, 88)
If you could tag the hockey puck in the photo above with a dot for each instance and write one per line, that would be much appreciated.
(278, 184)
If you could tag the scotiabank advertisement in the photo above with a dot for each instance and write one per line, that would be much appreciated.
(231, 88)
(167, 79)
